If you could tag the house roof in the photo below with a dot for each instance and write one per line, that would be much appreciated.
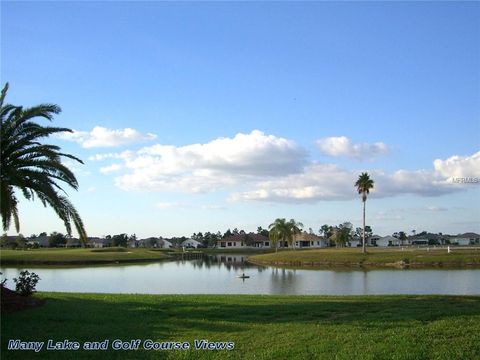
(307, 237)
(242, 237)
(468, 235)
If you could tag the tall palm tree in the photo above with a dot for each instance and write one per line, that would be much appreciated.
(364, 184)
(32, 167)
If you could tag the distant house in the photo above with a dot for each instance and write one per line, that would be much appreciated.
(8, 241)
(190, 243)
(372, 240)
(243, 240)
(97, 242)
(73, 242)
(355, 242)
(42, 241)
(388, 241)
(305, 240)
(151, 242)
(164, 244)
(466, 239)
(425, 238)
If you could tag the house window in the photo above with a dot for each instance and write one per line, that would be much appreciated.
(222, 244)
(267, 243)
(229, 244)
(318, 242)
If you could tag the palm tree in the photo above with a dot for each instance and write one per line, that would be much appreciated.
(279, 230)
(295, 229)
(33, 167)
(285, 231)
(274, 236)
(364, 184)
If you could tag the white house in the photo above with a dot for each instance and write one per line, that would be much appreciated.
(466, 239)
(164, 244)
(244, 241)
(305, 240)
(388, 241)
(372, 240)
(190, 243)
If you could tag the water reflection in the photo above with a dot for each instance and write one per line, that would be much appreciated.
(218, 274)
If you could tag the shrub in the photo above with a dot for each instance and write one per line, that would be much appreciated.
(26, 282)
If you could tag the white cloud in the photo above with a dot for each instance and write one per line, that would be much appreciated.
(110, 168)
(329, 182)
(343, 146)
(459, 166)
(216, 164)
(102, 137)
(101, 157)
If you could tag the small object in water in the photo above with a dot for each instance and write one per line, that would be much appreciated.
(243, 276)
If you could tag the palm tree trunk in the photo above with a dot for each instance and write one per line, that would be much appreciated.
(363, 232)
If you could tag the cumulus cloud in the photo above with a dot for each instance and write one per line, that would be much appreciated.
(459, 166)
(343, 146)
(216, 164)
(329, 182)
(102, 137)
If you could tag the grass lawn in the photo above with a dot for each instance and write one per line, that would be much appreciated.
(262, 327)
(374, 258)
(79, 256)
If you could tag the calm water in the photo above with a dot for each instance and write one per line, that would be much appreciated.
(218, 275)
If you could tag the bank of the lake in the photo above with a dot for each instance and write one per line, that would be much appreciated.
(262, 327)
(374, 258)
(86, 256)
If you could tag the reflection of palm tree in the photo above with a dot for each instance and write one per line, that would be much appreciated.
(364, 184)
(32, 167)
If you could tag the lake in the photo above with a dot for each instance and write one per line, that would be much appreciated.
(217, 274)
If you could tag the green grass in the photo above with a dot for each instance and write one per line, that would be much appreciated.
(78, 256)
(374, 258)
(262, 327)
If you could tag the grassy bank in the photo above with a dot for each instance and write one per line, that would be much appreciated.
(374, 258)
(262, 327)
(79, 256)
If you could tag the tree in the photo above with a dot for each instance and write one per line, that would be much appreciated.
(120, 240)
(342, 233)
(274, 236)
(33, 167)
(402, 236)
(21, 241)
(364, 184)
(285, 231)
(326, 230)
(295, 229)
(56, 239)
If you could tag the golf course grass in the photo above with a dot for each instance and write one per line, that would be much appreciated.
(261, 327)
(79, 256)
(408, 257)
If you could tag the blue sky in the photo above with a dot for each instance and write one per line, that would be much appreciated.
(247, 111)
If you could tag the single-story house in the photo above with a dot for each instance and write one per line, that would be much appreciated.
(306, 240)
(73, 242)
(250, 240)
(372, 240)
(388, 241)
(97, 242)
(164, 244)
(190, 243)
(466, 239)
